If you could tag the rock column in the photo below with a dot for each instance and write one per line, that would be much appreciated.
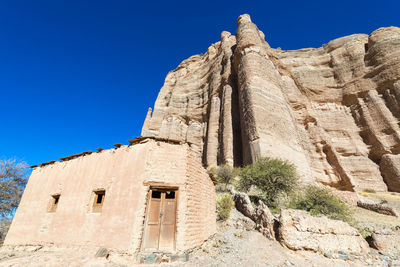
(268, 126)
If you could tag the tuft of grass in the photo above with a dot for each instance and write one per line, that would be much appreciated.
(224, 205)
(240, 235)
(369, 190)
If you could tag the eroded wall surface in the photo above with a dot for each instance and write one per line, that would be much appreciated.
(126, 174)
(333, 111)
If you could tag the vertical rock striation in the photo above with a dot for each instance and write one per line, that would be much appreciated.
(333, 111)
(197, 105)
(268, 125)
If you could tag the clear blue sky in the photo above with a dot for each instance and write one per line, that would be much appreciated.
(78, 75)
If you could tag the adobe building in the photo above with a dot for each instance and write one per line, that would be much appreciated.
(149, 196)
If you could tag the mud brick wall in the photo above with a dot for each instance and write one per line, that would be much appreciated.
(126, 175)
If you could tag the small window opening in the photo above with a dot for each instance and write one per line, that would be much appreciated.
(170, 195)
(155, 194)
(54, 202)
(98, 200)
(366, 47)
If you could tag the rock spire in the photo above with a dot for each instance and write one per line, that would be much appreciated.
(333, 111)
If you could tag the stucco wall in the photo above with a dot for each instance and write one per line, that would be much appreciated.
(125, 173)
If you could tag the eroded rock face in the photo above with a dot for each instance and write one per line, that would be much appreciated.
(333, 111)
(300, 231)
(390, 168)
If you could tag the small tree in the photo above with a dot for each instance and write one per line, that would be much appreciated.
(12, 182)
(273, 177)
(225, 174)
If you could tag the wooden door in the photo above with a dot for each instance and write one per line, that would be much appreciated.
(160, 222)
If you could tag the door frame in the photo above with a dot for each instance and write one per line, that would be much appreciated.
(162, 188)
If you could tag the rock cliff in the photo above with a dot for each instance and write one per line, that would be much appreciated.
(333, 111)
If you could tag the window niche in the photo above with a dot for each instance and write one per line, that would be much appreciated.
(98, 200)
(54, 202)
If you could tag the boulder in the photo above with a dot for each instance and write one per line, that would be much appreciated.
(261, 215)
(239, 221)
(377, 207)
(386, 240)
(264, 220)
(390, 168)
(243, 203)
(299, 230)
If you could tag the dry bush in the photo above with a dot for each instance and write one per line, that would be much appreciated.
(225, 175)
(13, 178)
(4, 225)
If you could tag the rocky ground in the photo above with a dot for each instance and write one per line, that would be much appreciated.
(371, 221)
(53, 258)
(235, 244)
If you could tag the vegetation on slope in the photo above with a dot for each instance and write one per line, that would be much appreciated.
(224, 205)
(319, 201)
(272, 178)
(275, 182)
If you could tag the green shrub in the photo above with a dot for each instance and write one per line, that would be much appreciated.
(365, 230)
(224, 205)
(319, 201)
(369, 190)
(225, 174)
(273, 177)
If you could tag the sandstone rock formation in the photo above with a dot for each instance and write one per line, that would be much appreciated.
(333, 111)
(386, 240)
(262, 216)
(390, 168)
(300, 231)
(377, 207)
